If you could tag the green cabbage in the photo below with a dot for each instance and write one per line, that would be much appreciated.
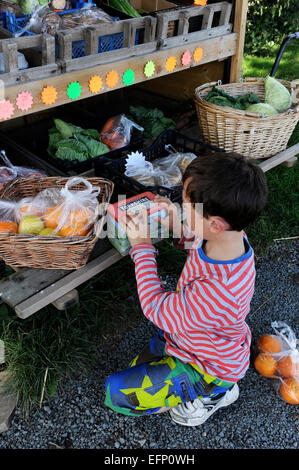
(277, 95)
(262, 108)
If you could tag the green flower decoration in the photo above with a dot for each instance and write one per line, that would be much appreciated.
(74, 90)
(149, 69)
(128, 77)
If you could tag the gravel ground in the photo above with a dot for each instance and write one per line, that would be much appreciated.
(77, 418)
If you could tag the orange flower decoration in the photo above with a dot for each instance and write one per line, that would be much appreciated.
(112, 79)
(95, 84)
(170, 63)
(197, 54)
(200, 2)
(49, 95)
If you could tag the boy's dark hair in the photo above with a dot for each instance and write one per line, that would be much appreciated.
(229, 186)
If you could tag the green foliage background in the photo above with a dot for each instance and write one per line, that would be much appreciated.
(268, 22)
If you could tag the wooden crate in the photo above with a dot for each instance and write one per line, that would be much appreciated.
(91, 35)
(189, 24)
(39, 51)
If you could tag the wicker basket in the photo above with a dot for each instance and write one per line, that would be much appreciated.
(244, 132)
(32, 251)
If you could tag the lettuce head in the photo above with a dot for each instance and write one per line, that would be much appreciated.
(262, 108)
(277, 95)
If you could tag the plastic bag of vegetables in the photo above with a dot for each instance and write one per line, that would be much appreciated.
(117, 131)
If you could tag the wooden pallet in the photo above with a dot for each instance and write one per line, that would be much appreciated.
(41, 50)
(204, 16)
(91, 36)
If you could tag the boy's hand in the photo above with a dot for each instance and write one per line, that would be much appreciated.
(136, 227)
(172, 220)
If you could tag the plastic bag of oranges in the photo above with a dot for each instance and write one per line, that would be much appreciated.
(278, 359)
(75, 212)
(53, 212)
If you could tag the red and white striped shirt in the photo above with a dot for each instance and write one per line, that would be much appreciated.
(204, 321)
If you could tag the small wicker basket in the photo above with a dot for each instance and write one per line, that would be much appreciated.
(244, 132)
(51, 252)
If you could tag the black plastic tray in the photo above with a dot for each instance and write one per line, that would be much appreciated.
(114, 169)
(35, 139)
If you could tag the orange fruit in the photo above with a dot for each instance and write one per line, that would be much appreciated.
(269, 343)
(265, 364)
(51, 217)
(289, 390)
(30, 209)
(8, 227)
(77, 230)
(288, 366)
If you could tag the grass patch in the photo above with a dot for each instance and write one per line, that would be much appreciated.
(260, 66)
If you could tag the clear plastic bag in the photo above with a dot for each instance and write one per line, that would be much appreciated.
(117, 131)
(162, 172)
(20, 171)
(75, 211)
(22, 62)
(278, 359)
(46, 22)
(6, 174)
(86, 16)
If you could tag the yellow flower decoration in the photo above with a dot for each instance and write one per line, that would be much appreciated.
(49, 95)
(197, 54)
(95, 84)
(170, 63)
(112, 79)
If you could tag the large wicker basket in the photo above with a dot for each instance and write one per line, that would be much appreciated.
(245, 132)
(33, 251)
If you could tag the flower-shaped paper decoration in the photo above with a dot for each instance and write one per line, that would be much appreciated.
(170, 63)
(149, 68)
(128, 77)
(186, 58)
(197, 54)
(6, 109)
(24, 100)
(95, 84)
(74, 90)
(112, 78)
(49, 95)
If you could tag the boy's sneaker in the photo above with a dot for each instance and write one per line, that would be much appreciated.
(196, 412)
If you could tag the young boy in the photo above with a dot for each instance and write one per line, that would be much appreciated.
(192, 366)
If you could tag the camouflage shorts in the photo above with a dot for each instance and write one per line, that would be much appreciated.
(155, 380)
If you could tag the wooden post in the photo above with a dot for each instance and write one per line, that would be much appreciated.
(241, 7)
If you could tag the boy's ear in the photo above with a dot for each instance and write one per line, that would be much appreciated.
(218, 225)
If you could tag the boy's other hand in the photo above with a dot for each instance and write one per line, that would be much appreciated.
(172, 221)
(136, 227)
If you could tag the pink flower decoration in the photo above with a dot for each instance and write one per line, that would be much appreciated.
(24, 100)
(186, 58)
(6, 109)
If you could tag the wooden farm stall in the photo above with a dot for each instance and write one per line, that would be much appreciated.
(177, 50)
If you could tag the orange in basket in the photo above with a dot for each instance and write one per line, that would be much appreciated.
(8, 227)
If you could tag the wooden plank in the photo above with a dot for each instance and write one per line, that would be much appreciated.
(10, 56)
(290, 163)
(241, 8)
(279, 158)
(213, 49)
(196, 36)
(68, 300)
(67, 283)
(27, 282)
